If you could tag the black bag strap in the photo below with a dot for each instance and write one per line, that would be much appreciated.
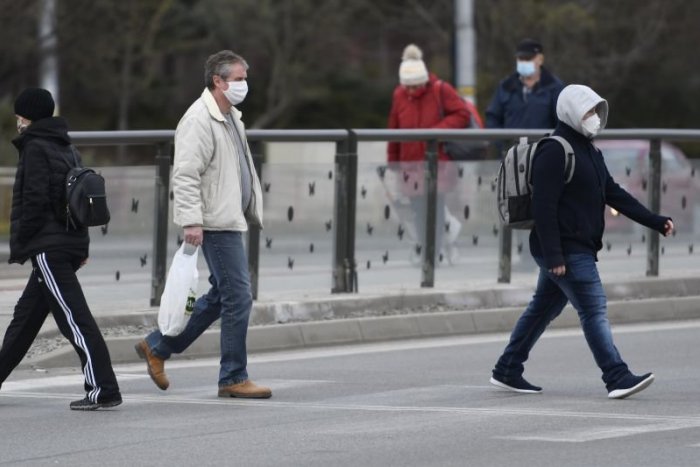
(74, 153)
(441, 108)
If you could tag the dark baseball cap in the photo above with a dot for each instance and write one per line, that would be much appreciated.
(528, 48)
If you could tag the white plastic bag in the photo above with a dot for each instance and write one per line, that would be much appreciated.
(179, 292)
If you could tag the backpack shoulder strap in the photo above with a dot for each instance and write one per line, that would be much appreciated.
(437, 85)
(74, 153)
(570, 164)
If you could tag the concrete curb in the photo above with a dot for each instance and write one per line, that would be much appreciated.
(350, 306)
(382, 328)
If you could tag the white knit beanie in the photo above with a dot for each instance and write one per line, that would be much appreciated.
(412, 71)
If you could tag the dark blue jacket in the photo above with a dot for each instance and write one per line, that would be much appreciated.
(508, 109)
(569, 218)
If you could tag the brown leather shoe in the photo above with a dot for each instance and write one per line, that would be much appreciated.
(154, 364)
(247, 389)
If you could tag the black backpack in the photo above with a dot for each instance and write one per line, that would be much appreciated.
(86, 198)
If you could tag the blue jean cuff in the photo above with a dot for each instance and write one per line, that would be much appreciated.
(233, 381)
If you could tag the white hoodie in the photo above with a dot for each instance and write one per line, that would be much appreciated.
(574, 101)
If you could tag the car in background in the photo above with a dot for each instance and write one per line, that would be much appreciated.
(628, 163)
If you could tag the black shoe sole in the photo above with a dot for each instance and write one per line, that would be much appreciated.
(96, 405)
(243, 396)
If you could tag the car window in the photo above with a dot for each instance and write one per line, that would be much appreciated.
(620, 159)
(670, 162)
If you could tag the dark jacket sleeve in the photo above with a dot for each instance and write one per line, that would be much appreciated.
(494, 112)
(548, 185)
(618, 198)
(36, 204)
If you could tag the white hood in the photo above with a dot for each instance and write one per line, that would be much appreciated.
(575, 101)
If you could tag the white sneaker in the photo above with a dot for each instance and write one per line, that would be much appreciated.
(452, 254)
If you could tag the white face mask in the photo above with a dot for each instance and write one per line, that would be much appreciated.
(236, 91)
(591, 125)
(525, 68)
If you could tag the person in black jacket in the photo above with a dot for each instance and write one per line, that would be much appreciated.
(568, 232)
(39, 233)
(527, 98)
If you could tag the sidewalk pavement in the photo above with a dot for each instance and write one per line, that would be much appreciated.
(315, 318)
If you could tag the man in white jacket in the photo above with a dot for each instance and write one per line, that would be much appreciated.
(216, 193)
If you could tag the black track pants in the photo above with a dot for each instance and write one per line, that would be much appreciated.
(53, 286)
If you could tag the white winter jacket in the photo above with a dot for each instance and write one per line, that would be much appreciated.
(206, 171)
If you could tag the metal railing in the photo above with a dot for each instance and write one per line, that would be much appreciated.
(344, 266)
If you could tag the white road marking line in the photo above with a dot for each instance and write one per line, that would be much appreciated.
(29, 385)
(607, 432)
(56, 381)
(659, 420)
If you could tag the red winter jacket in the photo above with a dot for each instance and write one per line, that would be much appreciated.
(422, 110)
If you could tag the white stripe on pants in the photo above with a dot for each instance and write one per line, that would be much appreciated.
(78, 338)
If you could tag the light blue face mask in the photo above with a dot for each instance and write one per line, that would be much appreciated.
(525, 68)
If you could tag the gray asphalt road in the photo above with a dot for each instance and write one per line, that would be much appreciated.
(410, 403)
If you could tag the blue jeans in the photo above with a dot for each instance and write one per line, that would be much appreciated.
(581, 286)
(229, 298)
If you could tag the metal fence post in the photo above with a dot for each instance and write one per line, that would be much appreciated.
(160, 221)
(350, 263)
(431, 175)
(344, 266)
(505, 253)
(256, 148)
(654, 205)
(505, 243)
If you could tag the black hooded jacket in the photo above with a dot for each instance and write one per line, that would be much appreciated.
(570, 218)
(37, 220)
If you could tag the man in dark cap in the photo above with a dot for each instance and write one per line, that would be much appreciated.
(525, 99)
(528, 97)
(39, 233)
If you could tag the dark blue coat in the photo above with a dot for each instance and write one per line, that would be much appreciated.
(569, 218)
(508, 109)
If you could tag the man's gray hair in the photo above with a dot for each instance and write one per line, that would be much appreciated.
(220, 64)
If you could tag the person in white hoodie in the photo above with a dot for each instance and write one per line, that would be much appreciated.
(568, 232)
(216, 193)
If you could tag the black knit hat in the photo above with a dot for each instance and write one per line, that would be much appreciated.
(34, 104)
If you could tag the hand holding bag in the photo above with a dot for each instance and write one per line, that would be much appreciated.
(179, 292)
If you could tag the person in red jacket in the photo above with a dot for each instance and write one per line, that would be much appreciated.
(421, 100)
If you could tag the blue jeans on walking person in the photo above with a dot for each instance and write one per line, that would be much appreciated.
(230, 298)
(582, 287)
